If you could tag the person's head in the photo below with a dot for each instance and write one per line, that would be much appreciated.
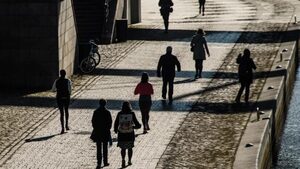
(247, 53)
(145, 77)
(102, 102)
(62, 73)
(169, 49)
(200, 31)
(126, 107)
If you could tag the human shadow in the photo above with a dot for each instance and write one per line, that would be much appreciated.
(43, 138)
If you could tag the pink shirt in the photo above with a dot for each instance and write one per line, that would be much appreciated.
(143, 89)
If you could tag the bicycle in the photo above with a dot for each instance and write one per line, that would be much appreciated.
(89, 63)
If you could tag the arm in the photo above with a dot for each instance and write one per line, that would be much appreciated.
(137, 89)
(137, 125)
(206, 47)
(238, 60)
(116, 125)
(109, 119)
(177, 64)
(54, 86)
(70, 86)
(159, 66)
(151, 89)
(94, 120)
(253, 65)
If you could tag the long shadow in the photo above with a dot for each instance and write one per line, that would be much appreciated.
(186, 74)
(44, 138)
(213, 36)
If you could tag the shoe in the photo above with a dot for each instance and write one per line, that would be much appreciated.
(145, 131)
(164, 97)
(129, 163)
(237, 100)
(98, 167)
(106, 164)
(147, 127)
(196, 76)
(123, 164)
(202, 14)
(62, 131)
(67, 128)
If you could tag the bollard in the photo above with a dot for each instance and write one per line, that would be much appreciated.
(257, 114)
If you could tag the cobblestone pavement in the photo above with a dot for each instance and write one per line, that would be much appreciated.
(205, 138)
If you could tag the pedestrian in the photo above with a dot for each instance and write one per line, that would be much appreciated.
(246, 64)
(199, 47)
(102, 123)
(201, 6)
(166, 66)
(145, 89)
(124, 126)
(63, 88)
(165, 10)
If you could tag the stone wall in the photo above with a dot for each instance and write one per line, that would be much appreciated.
(31, 34)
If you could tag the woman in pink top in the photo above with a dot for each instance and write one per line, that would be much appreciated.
(145, 89)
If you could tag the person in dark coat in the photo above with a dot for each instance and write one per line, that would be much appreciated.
(246, 64)
(63, 87)
(165, 10)
(166, 66)
(102, 123)
(199, 47)
(201, 6)
(124, 126)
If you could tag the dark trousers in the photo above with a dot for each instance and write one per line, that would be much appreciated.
(145, 106)
(63, 105)
(198, 66)
(166, 81)
(201, 6)
(100, 146)
(243, 86)
(166, 20)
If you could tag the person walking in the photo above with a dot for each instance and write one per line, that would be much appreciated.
(201, 6)
(199, 47)
(145, 89)
(63, 87)
(246, 64)
(166, 66)
(102, 123)
(165, 10)
(124, 126)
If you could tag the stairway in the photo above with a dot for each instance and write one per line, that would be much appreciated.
(90, 15)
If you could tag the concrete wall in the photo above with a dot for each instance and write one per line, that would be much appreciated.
(31, 34)
(264, 133)
(67, 38)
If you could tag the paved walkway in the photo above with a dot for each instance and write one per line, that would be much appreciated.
(205, 138)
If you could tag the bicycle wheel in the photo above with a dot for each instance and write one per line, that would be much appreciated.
(97, 57)
(87, 65)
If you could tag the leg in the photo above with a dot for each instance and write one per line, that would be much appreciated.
(203, 7)
(61, 110)
(164, 88)
(200, 67)
(105, 150)
(238, 97)
(123, 154)
(67, 102)
(130, 152)
(99, 154)
(166, 22)
(247, 92)
(171, 85)
(147, 117)
(144, 119)
(197, 68)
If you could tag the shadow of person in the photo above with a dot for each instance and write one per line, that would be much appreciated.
(44, 138)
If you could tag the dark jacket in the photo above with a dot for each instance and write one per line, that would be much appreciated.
(246, 64)
(62, 88)
(126, 136)
(167, 64)
(102, 123)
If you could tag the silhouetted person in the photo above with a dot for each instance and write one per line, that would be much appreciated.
(101, 123)
(199, 47)
(201, 6)
(145, 89)
(125, 124)
(165, 10)
(246, 65)
(63, 88)
(166, 65)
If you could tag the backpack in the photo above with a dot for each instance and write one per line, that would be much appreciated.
(125, 123)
